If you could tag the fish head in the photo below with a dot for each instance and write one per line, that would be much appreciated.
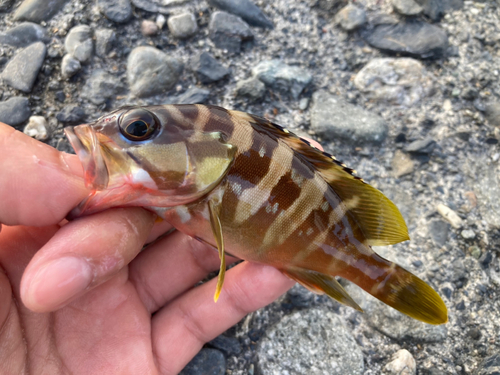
(147, 156)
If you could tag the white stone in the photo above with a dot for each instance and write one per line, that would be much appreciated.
(450, 215)
(402, 363)
(37, 128)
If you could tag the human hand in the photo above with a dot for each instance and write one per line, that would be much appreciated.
(81, 297)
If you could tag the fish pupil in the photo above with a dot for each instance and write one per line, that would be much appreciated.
(137, 128)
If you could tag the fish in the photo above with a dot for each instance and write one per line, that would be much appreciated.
(252, 189)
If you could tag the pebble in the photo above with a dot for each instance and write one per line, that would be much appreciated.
(435, 9)
(402, 363)
(5, 5)
(70, 66)
(490, 365)
(78, 43)
(150, 71)
(160, 21)
(37, 128)
(438, 230)
(101, 86)
(291, 346)
(193, 95)
(207, 68)
(468, 234)
(15, 111)
(282, 77)
(228, 345)
(24, 34)
(38, 10)
(207, 361)
(492, 112)
(118, 11)
(71, 114)
(149, 28)
(411, 38)
(351, 17)
(105, 40)
(402, 81)
(450, 215)
(183, 25)
(333, 118)
(228, 31)
(245, 9)
(402, 164)
(422, 146)
(22, 70)
(406, 7)
(251, 88)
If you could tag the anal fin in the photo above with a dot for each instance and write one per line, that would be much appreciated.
(320, 283)
(215, 223)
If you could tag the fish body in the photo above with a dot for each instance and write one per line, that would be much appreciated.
(252, 189)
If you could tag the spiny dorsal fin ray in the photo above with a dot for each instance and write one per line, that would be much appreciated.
(320, 283)
(378, 218)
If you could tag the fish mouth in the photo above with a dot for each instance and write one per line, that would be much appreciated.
(84, 141)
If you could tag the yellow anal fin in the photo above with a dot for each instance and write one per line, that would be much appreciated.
(213, 207)
(320, 283)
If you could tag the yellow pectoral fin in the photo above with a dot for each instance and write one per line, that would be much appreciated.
(214, 209)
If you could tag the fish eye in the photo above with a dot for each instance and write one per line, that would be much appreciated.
(138, 124)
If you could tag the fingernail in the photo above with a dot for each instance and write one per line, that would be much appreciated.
(57, 282)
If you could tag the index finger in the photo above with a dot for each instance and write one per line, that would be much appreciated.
(38, 184)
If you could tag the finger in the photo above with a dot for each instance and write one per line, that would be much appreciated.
(181, 328)
(38, 184)
(83, 254)
(171, 266)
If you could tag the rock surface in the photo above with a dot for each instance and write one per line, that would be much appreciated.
(291, 346)
(207, 361)
(79, 44)
(351, 17)
(21, 72)
(244, 9)
(407, 7)
(228, 31)
(24, 34)
(38, 10)
(333, 118)
(116, 10)
(101, 86)
(183, 25)
(207, 68)
(15, 111)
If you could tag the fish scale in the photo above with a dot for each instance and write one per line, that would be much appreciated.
(252, 188)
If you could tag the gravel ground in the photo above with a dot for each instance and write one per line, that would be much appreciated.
(412, 102)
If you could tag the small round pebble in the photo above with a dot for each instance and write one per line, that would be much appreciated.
(22, 70)
(118, 11)
(251, 88)
(70, 66)
(104, 41)
(183, 25)
(79, 44)
(15, 111)
(351, 17)
(402, 363)
(37, 128)
(468, 234)
(149, 28)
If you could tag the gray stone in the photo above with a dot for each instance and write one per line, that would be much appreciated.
(330, 6)
(423, 146)
(438, 230)
(391, 322)
(435, 9)
(101, 86)
(490, 365)
(183, 25)
(15, 110)
(412, 38)
(118, 11)
(79, 44)
(251, 88)
(402, 164)
(229, 345)
(5, 5)
(38, 10)
(22, 70)
(333, 118)
(206, 362)
(245, 9)
(193, 95)
(155, 6)
(492, 112)
(24, 34)
(37, 128)
(150, 71)
(282, 77)
(105, 39)
(70, 66)
(402, 81)
(207, 68)
(149, 28)
(402, 363)
(291, 346)
(71, 114)
(407, 7)
(485, 178)
(351, 17)
(228, 31)
(468, 234)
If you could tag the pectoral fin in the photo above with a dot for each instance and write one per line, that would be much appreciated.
(214, 209)
(320, 283)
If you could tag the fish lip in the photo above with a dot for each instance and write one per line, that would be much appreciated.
(84, 141)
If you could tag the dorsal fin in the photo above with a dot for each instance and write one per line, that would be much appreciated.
(378, 218)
